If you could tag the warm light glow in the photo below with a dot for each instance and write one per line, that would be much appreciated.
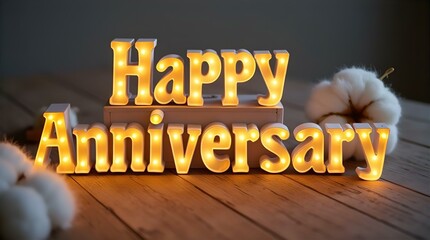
(123, 69)
(374, 152)
(62, 139)
(315, 144)
(214, 63)
(274, 83)
(242, 135)
(175, 77)
(232, 77)
(183, 159)
(214, 162)
(275, 133)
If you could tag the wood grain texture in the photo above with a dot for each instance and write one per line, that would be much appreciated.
(167, 207)
(288, 208)
(93, 220)
(381, 200)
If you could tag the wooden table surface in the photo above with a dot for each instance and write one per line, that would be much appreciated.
(257, 205)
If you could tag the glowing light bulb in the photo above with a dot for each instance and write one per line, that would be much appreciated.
(283, 161)
(317, 157)
(282, 60)
(83, 164)
(222, 135)
(134, 135)
(40, 160)
(83, 140)
(230, 94)
(160, 90)
(119, 93)
(337, 138)
(65, 159)
(50, 117)
(348, 134)
(275, 82)
(230, 60)
(175, 136)
(62, 139)
(364, 135)
(120, 63)
(274, 96)
(119, 49)
(246, 71)
(117, 160)
(211, 60)
(45, 139)
(210, 135)
(299, 160)
(316, 135)
(253, 135)
(156, 137)
(192, 138)
(177, 88)
(283, 134)
(182, 160)
(263, 60)
(142, 52)
(176, 64)
(300, 136)
(384, 135)
(374, 172)
(142, 92)
(140, 69)
(267, 164)
(240, 160)
(196, 94)
(120, 83)
(196, 81)
(162, 66)
(375, 158)
(242, 137)
(196, 61)
(60, 122)
(212, 73)
(118, 137)
(230, 79)
(246, 60)
(98, 137)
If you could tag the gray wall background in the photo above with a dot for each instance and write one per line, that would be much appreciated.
(321, 36)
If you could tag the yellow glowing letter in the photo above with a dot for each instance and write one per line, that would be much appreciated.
(216, 136)
(197, 78)
(121, 131)
(375, 160)
(243, 134)
(176, 76)
(274, 82)
(282, 161)
(57, 115)
(232, 77)
(122, 68)
(311, 137)
(175, 131)
(338, 135)
(84, 133)
(155, 130)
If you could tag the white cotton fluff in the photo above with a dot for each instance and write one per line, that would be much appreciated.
(8, 176)
(23, 215)
(355, 95)
(13, 155)
(58, 198)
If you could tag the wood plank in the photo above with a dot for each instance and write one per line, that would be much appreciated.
(384, 201)
(39, 91)
(289, 209)
(167, 207)
(12, 118)
(93, 220)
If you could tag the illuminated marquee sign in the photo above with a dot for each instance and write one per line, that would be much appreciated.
(166, 127)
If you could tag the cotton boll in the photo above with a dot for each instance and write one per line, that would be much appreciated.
(332, 103)
(386, 110)
(15, 157)
(355, 95)
(23, 215)
(59, 199)
(8, 175)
